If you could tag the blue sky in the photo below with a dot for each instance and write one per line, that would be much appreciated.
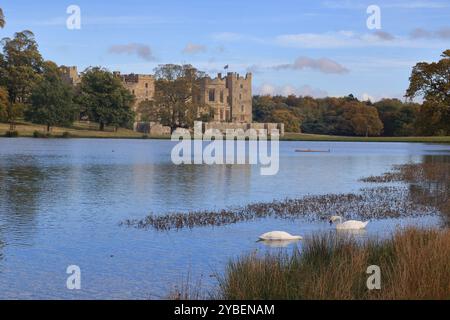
(304, 47)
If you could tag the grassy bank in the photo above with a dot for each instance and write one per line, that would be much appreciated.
(316, 137)
(414, 265)
(84, 130)
(78, 130)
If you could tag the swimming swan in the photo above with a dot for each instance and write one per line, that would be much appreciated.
(348, 225)
(278, 236)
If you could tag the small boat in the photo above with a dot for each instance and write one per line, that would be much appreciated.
(310, 150)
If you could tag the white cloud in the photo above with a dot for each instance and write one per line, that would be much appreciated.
(323, 65)
(192, 48)
(349, 39)
(141, 50)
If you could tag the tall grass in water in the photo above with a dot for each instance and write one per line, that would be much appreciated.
(414, 265)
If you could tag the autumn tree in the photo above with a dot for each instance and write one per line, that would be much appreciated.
(20, 69)
(2, 19)
(175, 89)
(105, 99)
(51, 100)
(3, 103)
(431, 81)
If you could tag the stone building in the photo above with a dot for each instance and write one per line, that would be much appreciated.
(230, 97)
(142, 86)
(70, 75)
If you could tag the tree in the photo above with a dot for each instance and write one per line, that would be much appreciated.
(290, 120)
(175, 87)
(2, 19)
(20, 70)
(147, 111)
(432, 82)
(51, 100)
(399, 119)
(3, 103)
(105, 99)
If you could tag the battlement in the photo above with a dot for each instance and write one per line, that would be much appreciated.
(70, 74)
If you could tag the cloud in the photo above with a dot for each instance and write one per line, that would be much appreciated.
(350, 39)
(384, 35)
(323, 65)
(420, 33)
(192, 48)
(305, 90)
(367, 97)
(141, 50)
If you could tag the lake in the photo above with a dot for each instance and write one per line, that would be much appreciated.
(61, 202)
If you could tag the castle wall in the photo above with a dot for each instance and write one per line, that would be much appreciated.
(142, 86)
(70, 75)
(213, 92)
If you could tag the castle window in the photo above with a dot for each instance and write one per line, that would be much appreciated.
(146, 85)
(242, 108)
(212, 95)
(132, 91)
(221, 96)
(242, 86)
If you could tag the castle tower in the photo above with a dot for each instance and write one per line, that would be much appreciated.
(70, 75)
(142, 86)
(214, 93)
(240, 97)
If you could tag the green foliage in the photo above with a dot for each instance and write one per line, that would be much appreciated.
(20, 70)
(432, 82)
(105, 99)
(52, 100)
(337, 116)
(399, 118)
(2, 19)
(39, 134)
(3, 103)
(175, 87)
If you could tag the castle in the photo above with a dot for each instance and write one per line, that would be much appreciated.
(229, 97)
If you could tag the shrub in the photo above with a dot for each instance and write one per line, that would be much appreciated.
(11, 134)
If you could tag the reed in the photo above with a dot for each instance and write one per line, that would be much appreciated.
(414, 265)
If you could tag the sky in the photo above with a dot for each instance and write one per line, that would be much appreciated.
(317, 48)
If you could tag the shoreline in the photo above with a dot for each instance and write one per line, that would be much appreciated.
(26, 130)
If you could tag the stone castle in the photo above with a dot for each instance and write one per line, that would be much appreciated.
(229, 97)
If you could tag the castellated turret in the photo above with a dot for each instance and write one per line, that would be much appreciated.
(240, 97)
(230, 97)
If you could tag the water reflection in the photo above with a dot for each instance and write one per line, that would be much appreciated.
(279, 243)
(61, 202)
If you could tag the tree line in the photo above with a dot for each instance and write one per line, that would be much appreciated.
(350, 117)
(35, 89)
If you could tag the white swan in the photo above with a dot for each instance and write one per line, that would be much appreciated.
(348, 225)
(278, 236)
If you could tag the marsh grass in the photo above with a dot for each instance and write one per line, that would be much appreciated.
(414, 265)
(371, 203)
(423, 189)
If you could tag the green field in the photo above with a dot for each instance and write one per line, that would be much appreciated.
(316, 137)
(77, 130)
(86, 130)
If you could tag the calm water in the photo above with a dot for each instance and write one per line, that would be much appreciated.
(61, 202)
